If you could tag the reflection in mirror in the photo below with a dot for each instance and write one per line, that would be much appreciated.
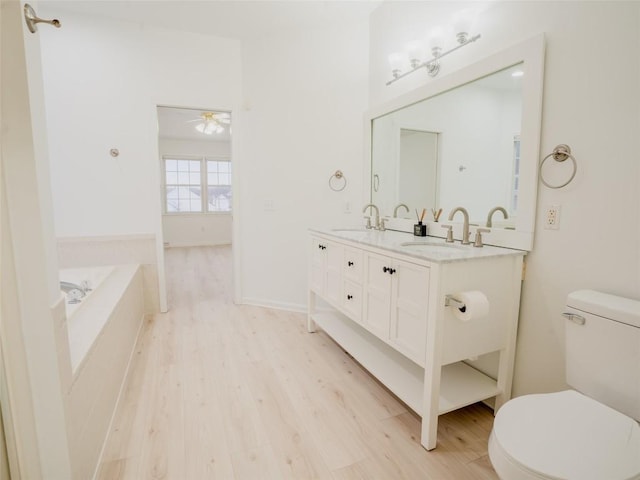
(458, 148)
(418, 159)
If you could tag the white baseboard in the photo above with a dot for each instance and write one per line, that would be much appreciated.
(193, 244)
(261, 302)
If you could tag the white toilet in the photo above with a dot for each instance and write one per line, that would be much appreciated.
(588, 433)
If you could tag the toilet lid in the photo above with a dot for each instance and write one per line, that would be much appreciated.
(570, 436)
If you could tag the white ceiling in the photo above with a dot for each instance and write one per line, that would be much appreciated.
(241, 19)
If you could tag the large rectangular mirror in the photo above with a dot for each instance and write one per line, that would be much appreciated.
(470, 139)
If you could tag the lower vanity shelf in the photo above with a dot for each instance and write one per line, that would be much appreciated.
(460, 384)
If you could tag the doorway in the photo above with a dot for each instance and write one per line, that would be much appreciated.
(197, 177)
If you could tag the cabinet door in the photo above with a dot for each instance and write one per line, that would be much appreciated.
(333, 272)
(410, 301)
(377, 295)
(317, 266)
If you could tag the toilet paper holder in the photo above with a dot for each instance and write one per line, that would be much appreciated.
(451, 301)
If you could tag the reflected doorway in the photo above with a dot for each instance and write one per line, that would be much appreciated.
(418, 168)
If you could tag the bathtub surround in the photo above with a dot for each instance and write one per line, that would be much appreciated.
(80, 252)
(87, 322)
(94, 365)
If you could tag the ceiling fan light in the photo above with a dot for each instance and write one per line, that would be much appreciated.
(210, 128)
(211, 123)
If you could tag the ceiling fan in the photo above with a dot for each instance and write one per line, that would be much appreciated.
(212, 122)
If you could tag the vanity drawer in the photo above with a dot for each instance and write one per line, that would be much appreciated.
(352, 264)
(352, 300)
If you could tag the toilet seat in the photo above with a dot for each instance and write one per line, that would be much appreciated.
(564, 435)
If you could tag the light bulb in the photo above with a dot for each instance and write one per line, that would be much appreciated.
(396, 62)
(436, 40)
(415, 53)
(462, 23)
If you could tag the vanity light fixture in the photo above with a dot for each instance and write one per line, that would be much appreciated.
(462, 22)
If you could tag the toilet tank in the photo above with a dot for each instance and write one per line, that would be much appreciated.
(603, 352)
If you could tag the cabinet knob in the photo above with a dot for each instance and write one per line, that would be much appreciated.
(385, 269)
(392, 271)
(350, 264)
(389, 270)
(349, 297)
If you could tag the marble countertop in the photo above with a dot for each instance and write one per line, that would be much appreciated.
(433, 249)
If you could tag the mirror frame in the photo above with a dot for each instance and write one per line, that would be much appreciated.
(531, 54)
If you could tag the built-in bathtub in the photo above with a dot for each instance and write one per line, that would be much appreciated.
(96, 337)
(91, 296)
(79, 283)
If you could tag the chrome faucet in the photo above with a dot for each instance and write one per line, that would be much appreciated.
(377, 218)
(494, 210)
(465, 225)
(395, 210)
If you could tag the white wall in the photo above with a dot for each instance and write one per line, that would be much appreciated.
(103, 80)
(305, 94)
(196, 229)
(595, 111)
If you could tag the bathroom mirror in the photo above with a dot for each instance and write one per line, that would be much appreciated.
(470, 139)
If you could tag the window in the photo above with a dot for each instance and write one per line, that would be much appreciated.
(218, 186)
(183, 185)
(186, 180)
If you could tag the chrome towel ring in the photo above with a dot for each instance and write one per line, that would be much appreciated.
(560, 154)
(337, 176)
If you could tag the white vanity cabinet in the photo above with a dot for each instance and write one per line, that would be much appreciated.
(325, 277)
(395, 303)
(388, 310)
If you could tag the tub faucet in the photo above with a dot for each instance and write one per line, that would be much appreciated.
(494, 210)
(465, 225)
(395, 210)
(74, 292)
(377, 218)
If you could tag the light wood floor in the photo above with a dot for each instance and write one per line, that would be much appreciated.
(219, 391)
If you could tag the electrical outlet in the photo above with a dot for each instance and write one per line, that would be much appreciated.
(552, 220)
(269, 205)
